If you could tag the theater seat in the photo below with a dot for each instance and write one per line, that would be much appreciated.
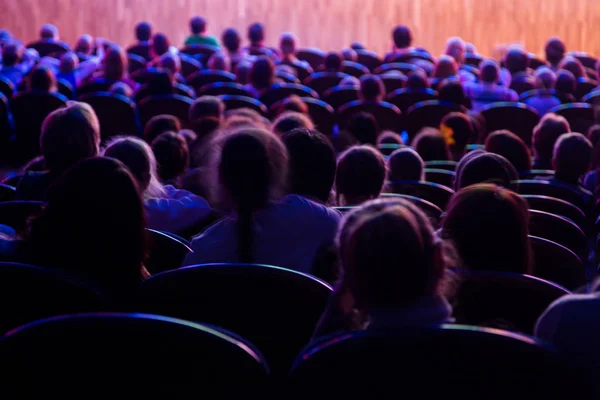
(166, 251)
(518, 118)
(432, 192)
(440, 176)
(233, 102)
(16, 213)
(117, 114)
(560, 230)
(557, 263)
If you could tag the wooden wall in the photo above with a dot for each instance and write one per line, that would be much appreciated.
(328, 24)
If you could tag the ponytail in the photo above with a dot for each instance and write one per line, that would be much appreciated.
(245, 234)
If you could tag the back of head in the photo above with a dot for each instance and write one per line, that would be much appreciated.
(220, 62)
(431, 145)
(69, 135)
(171, 63)
(161, 82)
(160, 124)
(293, 103)
(114, 64)
(456, 48)
(360, 175)
(197, 25)
(139, 159)
(94, 226)
(143, 31)
(371, 88)
(417, 80)
(402, 37)
(388, 141)
(42, 78)
(256, 33)
(486, 168)
(312, 163)
(511, 147)
(160, 44)
(48, 32)
(445, 67)
(458, 131)
(252, 170)
(68, 63)
(11, 54)
(262, 74)
(452, 90)
(363, 127)
(290, 120)
(555, 51)
(545, 78)
(572, 157)
(333, 62)
(242, 72)
(172, 155)
(546, 133)
(405, 164)
(489, 226)
(565, 81)
(206, 106)
(287, 44)
(349, 55)
(490, 71)
(390, 256)
(84, 44)
(574, 66)
(516, 60)
(122, 89)
(231, 40)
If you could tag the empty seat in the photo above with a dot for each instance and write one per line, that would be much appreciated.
(557, 263)
(140, 49)
(432, 192)
(502, 299)
(320, 82)
(354, 69)
(175, 105)
(518, 118)
(559, 207)
(135, 63)
(369, 59)
(560, 230)
(428, 114)
(221, 88)
(405, 68)
(205, 77)
(275, 308)
(280, 91)
(115, 353)
(579, 115)
(440, 176)
(301, 70)
(17, 213)
(166, 251)
(406, 98)
(315, 57)
(393, 82)
(338, 96)
(117, 114)
(233, 102)
(387, 115)
(545, 188)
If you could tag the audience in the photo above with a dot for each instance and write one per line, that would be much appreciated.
(287, 46)
(290, 120)
(572, 159)
(417, 80)
(488, 91)
(451, 90)
(256, 37)
(555, 52)
(160, 124)
(219, 62)
(511, 147)
(143, 35)
(232, 44)
(199, 36)
(431, 145)
(114, 67)
(574, 66)
(446, 67)
(371, 88)
(543, 101)
(405, 164)
(566, 83)
(333, 62)
(360, 175)
(42, 79)
(402, 38)
(16, 63)
(545, 135)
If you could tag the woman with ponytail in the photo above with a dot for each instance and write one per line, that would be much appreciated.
(263, 227)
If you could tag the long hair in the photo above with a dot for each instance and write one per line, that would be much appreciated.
(115, 64)
(251, 168)
(262, 74)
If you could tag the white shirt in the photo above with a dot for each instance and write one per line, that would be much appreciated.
(287, 234)
(176, 210)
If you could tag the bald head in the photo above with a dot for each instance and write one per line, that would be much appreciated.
(48, 32)
(405, 164)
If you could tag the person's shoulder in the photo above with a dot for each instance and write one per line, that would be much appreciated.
(309, 207)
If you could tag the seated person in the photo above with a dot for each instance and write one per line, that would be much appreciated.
(350, 55)
(263, 226)
(172, 157)
(402, 38)
(445, 67)
(160, 124)
(511, 147)
(555, 51)
(262, 76)
(199, 36)
(290, 120)
(488, 91)
(545, 135)
(69, 135)
(121, 89)
(167, 209)
(333, 62)
(232, 43)
(451, 90)
(458, 131)
(84, 47)
(256, 37)
(75, 72)
(242, 72)
(431, 145)
(114, 67)
(417, 80)
(388, 141)
(363, 128)
(143, 35)
(360, 175)
(16, 63)
(483, 167)
(219, 62)
(171, 63)
(574, 66)
(572, 159)
(566, 83)
(42, 79)
(371, 88)
(287, 46)
(545, 79)
(405, 164)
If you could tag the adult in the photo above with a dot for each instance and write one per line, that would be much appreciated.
(16, 63)
(360, 175)
(545, 135)
(143, 35)
(571, 160)
(405, 164)
(543, 101)
(262, 76)
(555, 51)
(511, 147)
(198, 33)
(488, 91)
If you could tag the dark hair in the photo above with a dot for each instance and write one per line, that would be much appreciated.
(371, 88)
(516, 60)
(206, 106)
(511, 147)
(486, 168)
(431, 145)
(42, 78)
(293, 103)
(290, 120)
(593, 136)
(115, 64)
(452, 90)
(402, 36)
(94, 225)
(360, 174)
(160, 124)
(252, 165)
(490, 72)
(262, 74)
(11, 54)
(231, 40)
(333, 62)
(459, 126)
(172, 156)
(572, 157)
(312, 163)
(417, 80)
(143, 31)
(555, 51)
(545, 135)
(256, 33)
(161, 83)
(565, 82)
(69, 135)
(197, 25)
(160, 44)
(489, 227)
(445, 67)
(574, 66)
(405, 164)
(363, 127)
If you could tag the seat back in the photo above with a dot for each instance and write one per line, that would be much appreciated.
(321, 113)
(557, 263)
(558, 207)
(221, 88)
(535, 62)
(354, 69)
(17, 213)
(117, 114)
(405, 68)
(522, 83)
(175, 105)
(301, 70)
(275, 308)
(115, 352)
(94, 86)
(29, 109)
(584, 86)
(545, 188)
(314, 57)
(581, 116)
(321, 82)
(560, 230)
(47, 47)
(280, 91)
(135, 63)
(518, 118)
(432, 192)
(393, 82)
(537, 174)
(189, 65)
(7, 193)
(201, 52)
(6, 87)
(431, 210)
(338, 96)
(441, 164)
(592, 97)
(369, 59)
(406, 98)
(428, 113)
(285, 77)
(167, 251)
(440, 176)
(468, 362)
(65, 88)
(473, 59)
(140, 49)
(562, 97)
(233, 102)
(205, 77)
(502, 299)
(387, 115)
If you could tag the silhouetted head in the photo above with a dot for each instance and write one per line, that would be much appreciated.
(572, 157)
(511, 147)
(490, 71)
(114, 64)
(360, 175)
(545, 78)
(417, 80)
(402, 37)
(452, 90)
(160, 124)
(458, 130)
(555, 51)
(206, 106)
(42, 78)
(198, 25)
(456, 48)
(574, 66)
(12, 54)
(262, 74)
(364, 128)
(172, 156)
(431, 145)
(405, 164)
(49, 32)
(485, 168)
(84, 45)
(516, 60)
(545, 135)
(287, 44)
(143, 31)
(371, 88)
(171, 63)
(349, 55)
(445, 67)
(231, 40)
(220, 62)
(256, 34)
(333, 62)
(291, 120)
(160, 44)
(565, 82)
(68, 63)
